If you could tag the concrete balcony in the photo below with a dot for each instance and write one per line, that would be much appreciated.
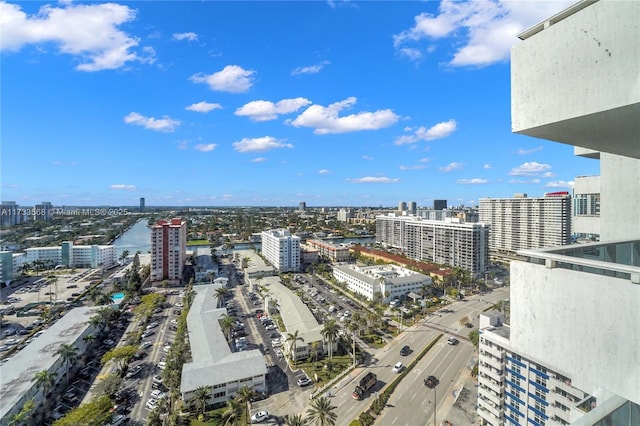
(491, 372)
(492, 350)
(489, 417)
(491, 384)
(575, 78)
(492, 408)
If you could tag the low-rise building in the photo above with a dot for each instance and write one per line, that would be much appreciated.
(213, 365)
(390, 281)
(333, 252)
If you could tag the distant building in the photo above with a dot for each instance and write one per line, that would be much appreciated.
(333, 252)
(10, 264)
(389, 280)
(402, 206)
(448, 242)
(12, 214)
(413, 207)
(302, 206)
(585, 203)
(74, 256)
(142, 202)
(281, 249)
(168, 250)
(439, 204)
(43, 211)
(523, 222)
(344, 214)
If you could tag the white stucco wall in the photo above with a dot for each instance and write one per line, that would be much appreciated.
(577, 80)
(620, 196)
(585, 324)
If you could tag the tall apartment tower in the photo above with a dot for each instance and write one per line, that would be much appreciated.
(402, 206)
(168, 250)
(43, 211)
(439, 204)
(585, 203)
(142, 201)
(574, 309)
(522, 222)
(281, 249)
(413, 207)
(448, 241)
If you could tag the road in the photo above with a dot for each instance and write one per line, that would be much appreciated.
(444, 361)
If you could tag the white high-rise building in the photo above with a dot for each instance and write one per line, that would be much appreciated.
(525, 222)
(586, 208)
(281, 249)
(574, 309)
(450, 241)
(168, 250)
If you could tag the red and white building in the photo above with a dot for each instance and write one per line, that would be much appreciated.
(168, 250)
(333, 252)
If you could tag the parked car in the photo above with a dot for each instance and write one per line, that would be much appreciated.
(145, 344)
(134, 371)
(152, 403)
(162, 365)
(304, 381)
(260, 416)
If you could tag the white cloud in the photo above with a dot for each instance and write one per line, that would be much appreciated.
(262, 144)
(366, 157)
(451, 167)
(548, 175)
(182, 145)
(205, 147)
(266, 110)
(437, 131)
(64, 163)
(259, 160)
(313, 69)
(232, 79)
(185, 36)
(424, 160)
(413, 54)
(373, 179)
(487, 166)
(560, 184)
(324, 171)
(325, 120)
(414, 167)
(481, 32)
(123, 186)
(164, 124)
(529, 169)
(522, 151)
(524, 181)
(474, 181)
(203, 107)
(87, 31)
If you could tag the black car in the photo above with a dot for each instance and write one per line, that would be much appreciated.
(431, 382)
(405, 350)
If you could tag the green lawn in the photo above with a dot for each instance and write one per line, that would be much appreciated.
(197, 242)
(339, 364)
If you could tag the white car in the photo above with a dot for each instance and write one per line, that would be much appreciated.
(157, 394)
(260, 416)
(145, 345)
(152, 325)
(166, 349)
(271, 327)
(398, 367)
(158, 379)
(162, 365)
(152, 403)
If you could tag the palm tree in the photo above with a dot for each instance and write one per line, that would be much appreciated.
(226, 324)
(89, 339)
(23, 415)
(244, 395)
(45, 380)
(295, 420)
(330, 334)
(313, 353)
(353, 327)
(322, 412)
(104, 299)
(293, 339)
(67, 352)
(231, 414)
(220, 294)
(202, 397)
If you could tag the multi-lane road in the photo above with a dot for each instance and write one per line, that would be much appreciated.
(412, 402)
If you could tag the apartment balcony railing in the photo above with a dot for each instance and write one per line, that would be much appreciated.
(618, 259)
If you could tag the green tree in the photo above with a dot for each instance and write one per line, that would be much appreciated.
(109, 385)
(23, 415)
(474, 337)
(220, 294)
(68, 353)
(202, 397)
(322, 413)
(120, 356)
(231, 414)
(45, 380)
(226, 324)
(330, 334)
(293, 339)
(94, 413)
(295, 420)
(244, 396)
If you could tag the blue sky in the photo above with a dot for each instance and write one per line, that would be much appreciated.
(268, 103)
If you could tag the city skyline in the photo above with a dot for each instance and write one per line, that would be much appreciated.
(331, 103)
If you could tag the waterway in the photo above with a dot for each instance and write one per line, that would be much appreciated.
(137, 238)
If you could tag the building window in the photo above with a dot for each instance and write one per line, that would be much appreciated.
(219, 394)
